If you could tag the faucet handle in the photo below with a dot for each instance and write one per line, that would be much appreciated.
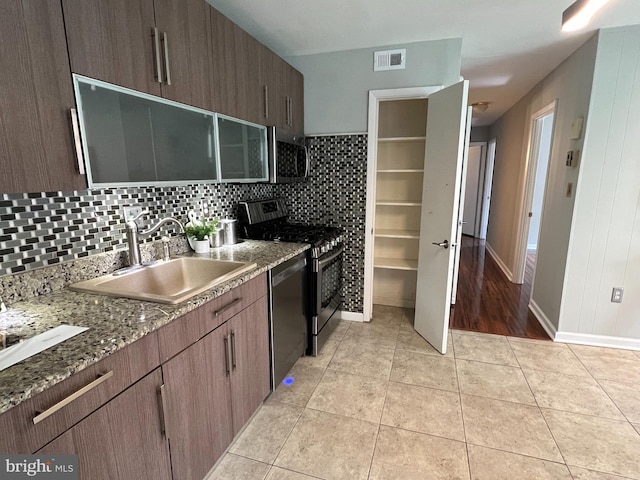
(166, 253)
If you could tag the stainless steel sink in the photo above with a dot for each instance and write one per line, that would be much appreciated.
(172, 282)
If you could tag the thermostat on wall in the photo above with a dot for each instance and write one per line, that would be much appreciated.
(389, 59)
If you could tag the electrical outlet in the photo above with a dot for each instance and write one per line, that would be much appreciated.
(131, 212)
(616, 294)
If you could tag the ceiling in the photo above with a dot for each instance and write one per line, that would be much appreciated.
(508, 45)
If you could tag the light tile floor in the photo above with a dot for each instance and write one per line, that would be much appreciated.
(380, 403)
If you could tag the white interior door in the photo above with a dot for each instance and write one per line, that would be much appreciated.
(463, 193)
(444, 152)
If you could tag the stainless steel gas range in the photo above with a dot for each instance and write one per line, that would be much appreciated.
(267, 220)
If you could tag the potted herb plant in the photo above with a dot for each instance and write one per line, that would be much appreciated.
(198, 235)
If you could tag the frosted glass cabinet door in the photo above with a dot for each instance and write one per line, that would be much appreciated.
(243, 150)
(134, 138)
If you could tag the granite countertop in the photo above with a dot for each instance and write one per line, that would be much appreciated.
(113, 322)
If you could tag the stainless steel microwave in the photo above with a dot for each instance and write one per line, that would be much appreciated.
(288, 156)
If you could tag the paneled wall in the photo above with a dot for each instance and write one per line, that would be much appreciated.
(604, 248)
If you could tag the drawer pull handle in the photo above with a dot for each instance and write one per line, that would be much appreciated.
(233, 349)
(75, 395)
(227, 354)
(162, 402)
(229, 305)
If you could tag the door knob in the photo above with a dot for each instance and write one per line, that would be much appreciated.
(444, 244)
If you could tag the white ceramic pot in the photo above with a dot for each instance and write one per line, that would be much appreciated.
(200, 246)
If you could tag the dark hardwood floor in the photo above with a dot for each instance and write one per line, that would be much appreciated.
(488, 302)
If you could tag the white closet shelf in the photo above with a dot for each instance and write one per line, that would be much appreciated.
(397, 203)
(401, 170)
(400, 139)
(395, 233)
(395, 264)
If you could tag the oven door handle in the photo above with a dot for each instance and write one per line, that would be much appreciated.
(319, 264)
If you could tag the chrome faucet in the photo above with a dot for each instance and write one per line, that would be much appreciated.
(133, 234)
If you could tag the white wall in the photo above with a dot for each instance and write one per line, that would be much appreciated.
(604, 248)
(570, 84)
(336, 84)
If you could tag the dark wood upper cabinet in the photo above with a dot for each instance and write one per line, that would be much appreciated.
(185, 28)
(159, 47)
(235, 81)
(111, 40)
(36, 95)
(273, 74)
(295, 91)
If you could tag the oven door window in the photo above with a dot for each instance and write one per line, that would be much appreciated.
(330, 280)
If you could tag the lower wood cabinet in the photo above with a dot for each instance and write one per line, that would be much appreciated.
(121, 440)
(213, 387)
(172, 421)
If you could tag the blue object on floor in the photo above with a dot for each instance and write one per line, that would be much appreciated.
(288, 380)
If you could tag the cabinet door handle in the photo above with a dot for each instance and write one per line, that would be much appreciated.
(162, 403)
(156, 50)
(74, 396)
(77, 144)
(229, 305)
(233, 349)
(165, 48)
(265, 92)
(227, 354)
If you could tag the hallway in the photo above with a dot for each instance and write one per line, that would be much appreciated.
(487, 302)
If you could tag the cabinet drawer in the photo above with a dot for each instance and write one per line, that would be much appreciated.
(221, 309)
(40, 419)
(181, 333)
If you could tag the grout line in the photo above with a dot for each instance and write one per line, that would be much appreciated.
(464, 428)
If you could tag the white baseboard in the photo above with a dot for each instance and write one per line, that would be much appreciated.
(499, 261)
(351, 316)
(547, 324)
(598, 340)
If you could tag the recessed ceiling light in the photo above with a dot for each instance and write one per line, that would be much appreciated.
(579, 13)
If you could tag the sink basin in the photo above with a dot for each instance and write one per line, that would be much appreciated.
(172, 282)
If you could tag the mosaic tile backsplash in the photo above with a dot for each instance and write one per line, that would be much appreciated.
(40, 229)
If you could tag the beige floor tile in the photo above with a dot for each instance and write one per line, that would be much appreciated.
(490, 464)
(621, 366)
(277, 473)
(263, 438)
(547, 356)
(424, 410)
(425, 370)
(407, 455)
(362, 359)
(483, 348)
(234, 467)
(600, 444)
(626, 397)
(507, 426)
(386, 315)
(412, 341)
(584, 474)
(340, 329)
(299, 392)
(329, 446)
(571, 394)
(350, 395)
(493, 381)
(324, 355)
(369, 334)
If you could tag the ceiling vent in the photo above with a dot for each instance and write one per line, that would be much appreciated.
(389, 60)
